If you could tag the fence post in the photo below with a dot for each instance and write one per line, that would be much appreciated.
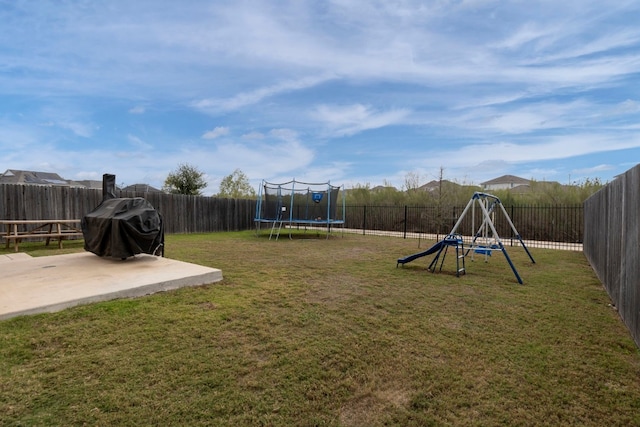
(405, 221)
(364, 220)
(511, 216)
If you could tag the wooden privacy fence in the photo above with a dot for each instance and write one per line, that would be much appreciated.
(31, 202)
(612, 244)
(196, 214)
(181, 214)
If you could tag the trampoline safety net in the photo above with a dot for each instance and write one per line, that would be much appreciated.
(300, 202)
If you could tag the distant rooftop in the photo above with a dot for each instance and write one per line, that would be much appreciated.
(435, 185)
(13, 176)
(512, 180)
(87, 183)
(141, 188)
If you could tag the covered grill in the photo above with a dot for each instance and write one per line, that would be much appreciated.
(122, 227)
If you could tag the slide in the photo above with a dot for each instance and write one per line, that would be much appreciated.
(433, 249)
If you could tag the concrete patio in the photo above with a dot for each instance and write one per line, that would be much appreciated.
(30, 285)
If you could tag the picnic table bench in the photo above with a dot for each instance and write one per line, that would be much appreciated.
(60, 229)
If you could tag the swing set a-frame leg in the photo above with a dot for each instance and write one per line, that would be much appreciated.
(513, 267)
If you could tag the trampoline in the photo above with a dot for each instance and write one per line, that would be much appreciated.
(299, 204)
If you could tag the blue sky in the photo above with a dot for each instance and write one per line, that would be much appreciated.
(351, 91)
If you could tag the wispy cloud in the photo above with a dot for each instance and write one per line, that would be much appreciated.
(139, 143)
(594, 170)
(351, 119)
(253, 135)
(522, 118)
(81, 129)
(253, 97)
(542, 149)
(279, 153)
(218, 131)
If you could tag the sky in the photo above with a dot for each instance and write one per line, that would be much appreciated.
(355, 92)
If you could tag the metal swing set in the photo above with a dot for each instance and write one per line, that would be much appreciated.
(485, 238)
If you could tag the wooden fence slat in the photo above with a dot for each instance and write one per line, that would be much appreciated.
(181, 214)
(612, 244)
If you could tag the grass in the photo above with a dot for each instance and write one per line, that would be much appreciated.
(312, 331)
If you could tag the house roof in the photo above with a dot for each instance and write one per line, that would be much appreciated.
(141, 188)
(13, 176)
(507, 179)
(434, 185)
(521, 189)
(88, 183)
(383, 187)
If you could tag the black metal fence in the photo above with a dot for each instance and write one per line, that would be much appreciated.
(612, 244)
(559, 227)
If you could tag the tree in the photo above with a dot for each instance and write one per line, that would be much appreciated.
(387, 195)
(412, 181)
(236, 185)
(359, 195)
(186, 179)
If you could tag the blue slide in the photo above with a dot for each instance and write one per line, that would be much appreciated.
(433, 249)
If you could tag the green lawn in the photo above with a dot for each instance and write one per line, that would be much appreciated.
(313, 331)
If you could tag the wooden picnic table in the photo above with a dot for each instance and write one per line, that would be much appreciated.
(16, 230)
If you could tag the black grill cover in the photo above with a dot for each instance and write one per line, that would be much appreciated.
(123, 227)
